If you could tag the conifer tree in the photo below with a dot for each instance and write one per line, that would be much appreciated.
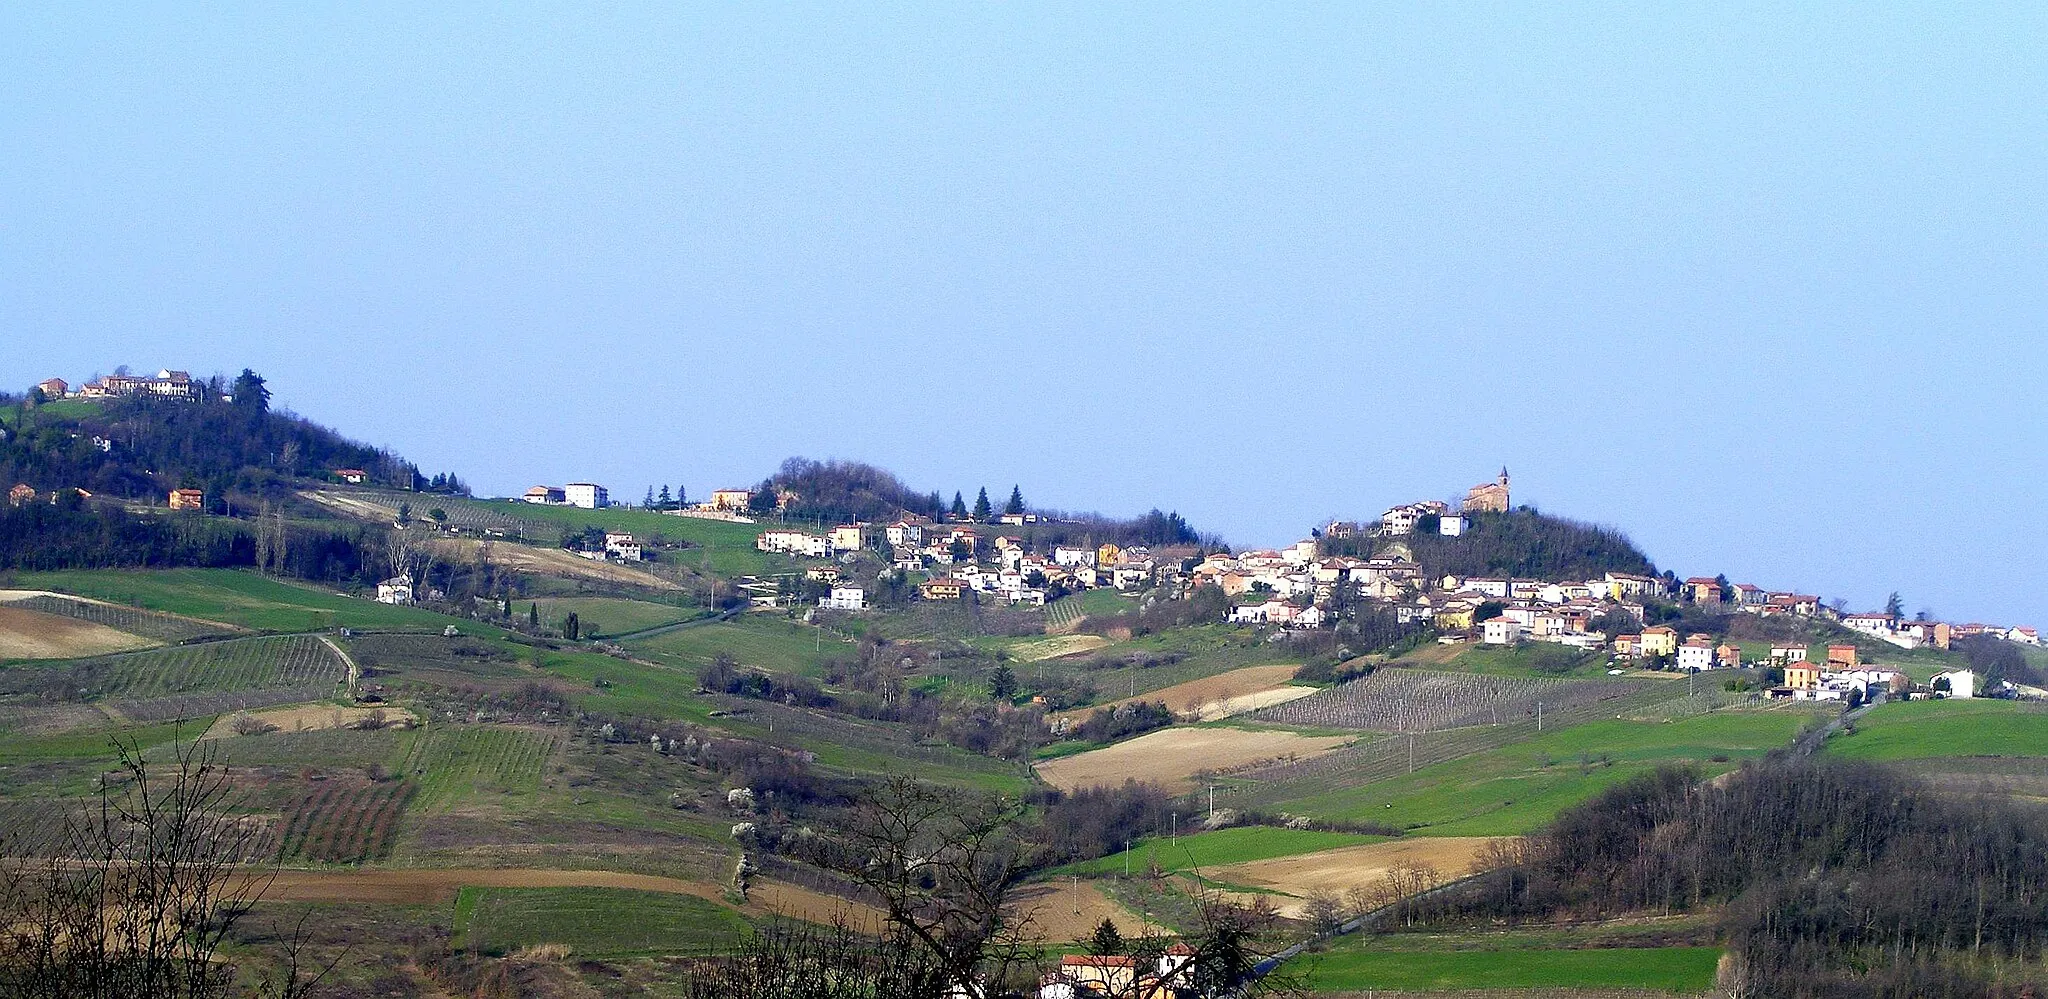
(981, 506)
(1016, 503)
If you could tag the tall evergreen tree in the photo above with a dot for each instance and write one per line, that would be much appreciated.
(1016, 503)
(959, 510)
(981, 506)
(250, 393)
(665, 500)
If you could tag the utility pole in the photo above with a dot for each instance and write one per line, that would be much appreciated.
(1539, 716)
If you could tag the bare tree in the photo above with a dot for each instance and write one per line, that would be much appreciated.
(946, 867)
(133, 897)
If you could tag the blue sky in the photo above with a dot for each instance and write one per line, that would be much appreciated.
(1763, 286)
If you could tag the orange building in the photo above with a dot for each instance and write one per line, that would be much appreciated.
(188, 499)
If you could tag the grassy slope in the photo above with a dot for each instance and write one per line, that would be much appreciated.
(1672, 969)
(1517, 788)
(1928, 729)
(758, 640)
(233, 597)
(1215, 849)
(594, 921)
(727, 547)
(610, 615)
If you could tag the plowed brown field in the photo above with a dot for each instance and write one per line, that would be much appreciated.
(1219, 696)
(1173, 756)
(27, 634)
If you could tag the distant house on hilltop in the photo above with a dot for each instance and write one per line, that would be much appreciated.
(54, 388)
(352, 476)
(21, 493)
(187, 499)
(730, 500)
(588, 495)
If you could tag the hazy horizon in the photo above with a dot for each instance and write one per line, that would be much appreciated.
(1762, 288)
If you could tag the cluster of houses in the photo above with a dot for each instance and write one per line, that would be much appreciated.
(959, 561)
(166, 384)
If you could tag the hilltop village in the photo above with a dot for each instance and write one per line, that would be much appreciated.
(1310, 585)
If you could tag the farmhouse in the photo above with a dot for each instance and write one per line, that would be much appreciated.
(845, 596)
(730, 500)
(1701, 590)
(1500, 631)
(1960, 683)
(396, 590)
(352, 476)
(53, 388)
(941, 588)
(588, 495)
(546, 496)
(621, 546)
(187, 499)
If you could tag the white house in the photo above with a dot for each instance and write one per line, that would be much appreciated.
(2023, 635)
(621, 546)
(794, 543)
(545, 496)
(845, 597)
(904, 533)
(396, 590)
(1500, 631)
(1961, 683)
(1788, 653)
(1696, 655)
(587, 495)
(1451, 525)
(1073, 556)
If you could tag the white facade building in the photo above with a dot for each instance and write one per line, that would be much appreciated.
(587, 495)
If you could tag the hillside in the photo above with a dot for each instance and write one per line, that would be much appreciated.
(1521, 543)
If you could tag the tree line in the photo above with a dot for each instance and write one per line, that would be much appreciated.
(1832, 878)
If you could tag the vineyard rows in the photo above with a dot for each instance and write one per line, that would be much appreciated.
(206, 704)
(1405, 700)
(133, 620)
(1060, 613)
(290, 661)
(449, 761)
(344, 821)
(1394, 755)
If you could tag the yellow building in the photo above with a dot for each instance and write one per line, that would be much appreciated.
(1107, 555)
(1454, 618)
(1802, 675)
(1659, 642)
(188, 499)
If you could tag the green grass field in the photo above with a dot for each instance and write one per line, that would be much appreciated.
(727, 548)
(757, 640)
(1528, 659)
(233, 597)
(610, 615)
(456, 763)
(594, 922)
(1671, 969)
(1517, 788)
(1215, 849)
(1103, 601)
(1912, 730)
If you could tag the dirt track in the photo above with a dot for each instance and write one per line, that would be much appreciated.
(27, 634)
(434, 885)
(1172, 756)
(1219, 696)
